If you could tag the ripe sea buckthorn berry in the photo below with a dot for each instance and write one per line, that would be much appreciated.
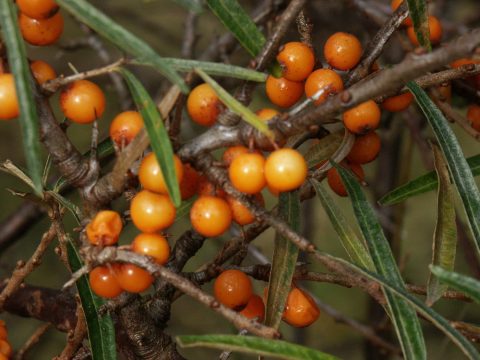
(189, 183)
(300, 309)
(342, 51)
(362, 118)
(3, 332)
(473, 114)
(104, 282)
(42, 72)
(105, 228)
(325, 79)
(255, 309)
(435, 32)
(241, 215)
(206, 188)
(125, 126)
(9, 108)
(297, 60)
(150, 174)
(203, 105)
(210, 216)
(82, 102)
(335, 181)
(38, 9)
(266, 113)
(232, 152)
(285, 169)
(246, 172)
(154, 245)
(282, 92)
(5, 348)
(41, 32)
(132, 278)
(365, 149)
(152, 212)
(233, 289)
(398, 102)
(395, 4)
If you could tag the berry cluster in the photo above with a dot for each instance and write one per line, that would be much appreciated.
(5, 347)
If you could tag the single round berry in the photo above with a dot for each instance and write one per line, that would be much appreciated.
(297, 61)
(246, 172)
(82, 102)
(282, 92)
(233, 289)
(152, 212)
(41, 32)
(154, 245)
(124, 127)
(255, 309)
(206, 188)
(323, 79)
(132, 278)
(342, 51)
(267, 113)
(9, 107)
(473, 115)
(42, 72)
(241, 215)
(5, 348)
(362, 118)
(335, 181)
(365, 149)
(398, 102)
(285, 170)
(105, 228)
(210, 216)
(203, 105)
(38, 9)
(189, 183)
(104, 282)
(232, 152)
(394, 5)
(151, 177)
(435, 32)
(300, 309)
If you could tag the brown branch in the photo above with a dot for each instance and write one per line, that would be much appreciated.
(75, 336)
(32, 341)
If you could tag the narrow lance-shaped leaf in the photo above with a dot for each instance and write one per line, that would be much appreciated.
(17, 59)
(419, 14)
(235, 19)
(465, 284)
(403, 316)
(324, 149)
(284, 260)
(445, 237)
(157, 133)
(461, 174)
(254, 345)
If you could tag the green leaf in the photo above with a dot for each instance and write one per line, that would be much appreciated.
(191, 5)
(101, 332)
(465, 284)
(324, 149)
(235, 106)
(445, 237)
(254, 345)
(121, 37)
(284, 260)
(235, 19)
(157, 133)
(74, 209)
(404, 318)
(419, 14)
(354, 247)
(461, 174)
(17, 59)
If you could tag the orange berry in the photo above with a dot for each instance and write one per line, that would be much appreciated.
(255, 309)
(282, 92)
(233, 289)
(41, 32)
(42, 72)
(297, 60)
(150, 174)
(300, 309)
(325, 79)
(365, 149)
(285, 169)
(445, 91)
(267, 113)
(105, 228)
(206, 188)
(82, 102)
(210, 216)
(246, 172)
(398, 102)
(132, 278)
(232, 152)
(104, 282)
(362, 118)
(5, 348)
(38, 9)
(473, 114)
(189, 183)
(342, 51)
(154, 245)
(152, 212)
(125, 126)
(3, 333)
(203, 105)
(395, 4)
(435, 32)
(335, 181)
(241, 215)
(9, 107)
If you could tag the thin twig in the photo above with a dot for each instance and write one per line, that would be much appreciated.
(32, 341)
